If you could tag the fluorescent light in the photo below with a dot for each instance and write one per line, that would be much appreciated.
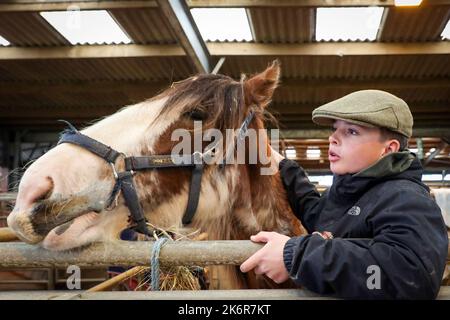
(81, 27)
(222, 24)
(348, 23)
(403, 3)
(446, 33)
(414, 150)
(432, 150)
(4, 42)
(312, 153)
(291, 153)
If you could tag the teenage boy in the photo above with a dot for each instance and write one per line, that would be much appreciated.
(375, 233)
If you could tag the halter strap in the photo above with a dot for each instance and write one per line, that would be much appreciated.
(240, 137)
(103, 151)
(157, 162)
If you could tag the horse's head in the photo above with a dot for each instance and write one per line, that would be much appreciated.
(63, 195)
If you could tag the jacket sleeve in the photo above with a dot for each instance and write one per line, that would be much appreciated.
(404, 260)
(302, 194)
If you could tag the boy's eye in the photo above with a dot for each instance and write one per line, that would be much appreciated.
(352, 131)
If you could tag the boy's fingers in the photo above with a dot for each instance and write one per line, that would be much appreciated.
(262, 236)
(251, 262)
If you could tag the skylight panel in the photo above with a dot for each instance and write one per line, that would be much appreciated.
(445, 35)
(222, 24)
(348, 24)
(4, 42)
(86, 27)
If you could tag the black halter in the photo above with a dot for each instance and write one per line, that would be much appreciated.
(125, 182)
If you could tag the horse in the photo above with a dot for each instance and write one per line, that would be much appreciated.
(64, 197)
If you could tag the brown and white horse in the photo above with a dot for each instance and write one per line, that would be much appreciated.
(70, 186)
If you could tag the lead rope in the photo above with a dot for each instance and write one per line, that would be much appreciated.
(155, 262)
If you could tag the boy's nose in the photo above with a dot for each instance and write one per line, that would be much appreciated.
(332, 138)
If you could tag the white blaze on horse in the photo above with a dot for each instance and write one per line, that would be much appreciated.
(63, 196)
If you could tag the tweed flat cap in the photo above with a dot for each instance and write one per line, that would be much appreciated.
(370, 108)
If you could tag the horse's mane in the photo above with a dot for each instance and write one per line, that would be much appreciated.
(220, 98)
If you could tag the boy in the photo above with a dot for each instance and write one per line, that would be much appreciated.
(376, 233)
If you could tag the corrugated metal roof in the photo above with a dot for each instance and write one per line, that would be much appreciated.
(282, 25)
(119, 69)
(285, 25)
(270, 25)
(404, 24)
(347, 67)
(144, 26)
(29, 29)
(319, 95)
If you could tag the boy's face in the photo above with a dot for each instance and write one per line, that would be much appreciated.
(354, 148)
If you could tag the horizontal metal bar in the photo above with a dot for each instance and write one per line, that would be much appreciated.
(258, 294)
(129, 253)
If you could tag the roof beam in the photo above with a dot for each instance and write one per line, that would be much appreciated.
(329, 49)
(62, 5)
(227, 49)
(58, 5)
(303, 3)
(182, 23)
(91, 51)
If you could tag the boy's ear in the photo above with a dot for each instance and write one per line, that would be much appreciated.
(260, 87)
(393, 146)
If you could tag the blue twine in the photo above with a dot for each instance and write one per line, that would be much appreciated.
(155, 262)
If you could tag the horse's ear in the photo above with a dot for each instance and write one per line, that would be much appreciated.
(259, 88)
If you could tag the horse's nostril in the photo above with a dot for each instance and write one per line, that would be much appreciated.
(45, 192)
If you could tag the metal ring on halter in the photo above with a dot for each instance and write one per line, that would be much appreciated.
(199, 154)
(113, 166)
(116, 175)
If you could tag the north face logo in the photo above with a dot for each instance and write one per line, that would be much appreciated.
(354, 211)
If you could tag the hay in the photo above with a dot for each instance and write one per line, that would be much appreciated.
(171, 277)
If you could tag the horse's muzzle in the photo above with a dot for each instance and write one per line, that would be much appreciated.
(34, 224)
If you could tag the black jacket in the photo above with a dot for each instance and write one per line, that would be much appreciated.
(390, 240)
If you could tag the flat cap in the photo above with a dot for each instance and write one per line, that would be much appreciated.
(370, 108)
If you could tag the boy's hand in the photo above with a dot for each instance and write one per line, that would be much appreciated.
(269, 259)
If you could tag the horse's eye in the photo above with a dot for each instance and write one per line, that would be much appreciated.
(196, 115)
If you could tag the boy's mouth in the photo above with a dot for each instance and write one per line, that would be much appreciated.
(332, 156)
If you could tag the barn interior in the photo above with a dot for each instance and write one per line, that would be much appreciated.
(81, 60)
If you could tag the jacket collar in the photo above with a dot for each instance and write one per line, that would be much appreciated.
(398, 165)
